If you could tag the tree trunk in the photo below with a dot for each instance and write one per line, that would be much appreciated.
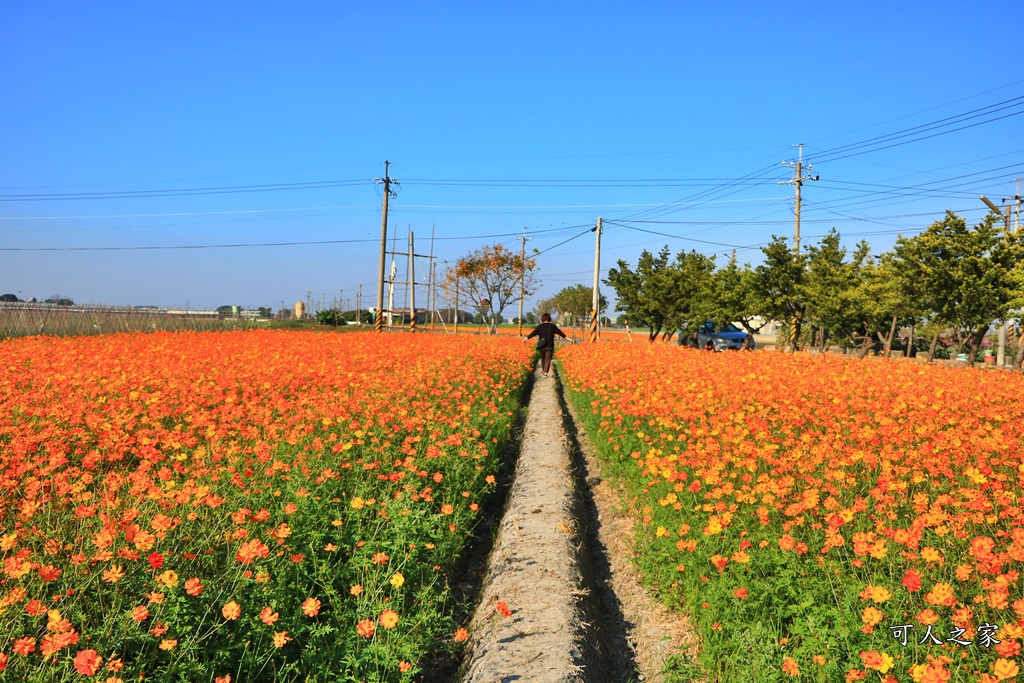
(911, 348)
(865, 346)
(934, 345)
(889, 339)
(653, 332)
(973, 344)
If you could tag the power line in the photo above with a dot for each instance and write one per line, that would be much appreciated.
(180, 192)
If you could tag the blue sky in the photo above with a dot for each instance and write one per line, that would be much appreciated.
(131, 129)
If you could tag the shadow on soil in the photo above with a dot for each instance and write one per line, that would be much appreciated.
(466, 578)
(609, 657)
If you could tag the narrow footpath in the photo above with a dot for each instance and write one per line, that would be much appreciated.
(550, 609)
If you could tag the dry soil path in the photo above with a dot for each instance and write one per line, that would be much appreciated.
(577, 611)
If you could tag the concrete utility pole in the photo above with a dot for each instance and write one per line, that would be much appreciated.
(359, 306)
(456, 298)
(522, 280)
(412, 286)
(387, 182)
(1005, 327)
(798, 180)
(595, 313)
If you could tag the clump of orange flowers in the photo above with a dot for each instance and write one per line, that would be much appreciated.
(888, 480)
(138, 472)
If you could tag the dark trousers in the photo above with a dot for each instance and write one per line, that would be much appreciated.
(545, 358)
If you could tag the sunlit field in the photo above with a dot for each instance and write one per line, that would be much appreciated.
(241, 506)
(819, 517)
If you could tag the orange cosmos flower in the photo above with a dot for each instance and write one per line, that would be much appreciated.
(356, 589)
(461, 635)
(871, 616)
(269, 616)
(934, 672)
(447, 509)
(927, 617)
(249, 551)
(1004, 669)
(365, 628)
(88, 662)
(388, 618)
(168, 644)
(740, 593)
(311, 607)
(503, 609)
(140, 613)
(193, 586)
(878, 594)
(26, 646)
(380, 558)
(941, 594)
(281, 639)
(113, 574)
(231, 610)
(790, 667)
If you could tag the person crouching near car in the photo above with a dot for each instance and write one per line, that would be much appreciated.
(545, 333)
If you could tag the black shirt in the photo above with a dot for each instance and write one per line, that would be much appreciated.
(545, 333)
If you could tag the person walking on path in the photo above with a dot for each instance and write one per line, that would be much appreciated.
(545, 333)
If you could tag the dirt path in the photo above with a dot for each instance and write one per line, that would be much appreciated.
(560, 564)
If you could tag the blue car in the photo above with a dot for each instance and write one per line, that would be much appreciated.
(727, 338)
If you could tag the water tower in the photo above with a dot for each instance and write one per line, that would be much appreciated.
(300, 310)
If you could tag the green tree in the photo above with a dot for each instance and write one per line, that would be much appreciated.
(735, 299)
(970, 275)
(645, 295)
(330, 316)
(778, 282)
(573, 305)
(695, 294)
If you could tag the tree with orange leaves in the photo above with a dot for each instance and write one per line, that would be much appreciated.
(489, 280)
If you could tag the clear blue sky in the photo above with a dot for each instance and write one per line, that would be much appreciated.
(495, 117)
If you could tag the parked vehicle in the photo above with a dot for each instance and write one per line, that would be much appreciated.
(726, 338)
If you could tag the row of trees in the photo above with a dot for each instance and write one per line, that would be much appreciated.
(950, 280)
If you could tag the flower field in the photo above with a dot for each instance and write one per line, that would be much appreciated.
(820, 518)
(241, 506)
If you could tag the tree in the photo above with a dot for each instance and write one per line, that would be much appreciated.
(735, 299)
(489, 280)
(574, 305)
(646, 295)
(778, 282)
(330, 316)
(969, 274)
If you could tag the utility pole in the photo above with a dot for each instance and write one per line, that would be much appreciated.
(456, 298)
(1005, 327)
(595, 313)
(431, 297)
(412, 286)
(1017, 199)
(522, 280)
(798, 180)
(359, 305)
(386, 181)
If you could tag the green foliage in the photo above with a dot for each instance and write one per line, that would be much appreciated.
(330, 316)
(664, 295)
(573, 305)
